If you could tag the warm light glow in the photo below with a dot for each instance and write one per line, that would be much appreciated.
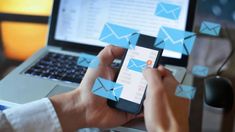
(21, 40)
(26, 7)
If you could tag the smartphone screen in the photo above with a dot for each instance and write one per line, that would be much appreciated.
(130, 75)
(132, 79)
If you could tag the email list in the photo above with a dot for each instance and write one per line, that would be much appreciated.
(131, 76)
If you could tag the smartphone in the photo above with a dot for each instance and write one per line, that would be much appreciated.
(131, 77)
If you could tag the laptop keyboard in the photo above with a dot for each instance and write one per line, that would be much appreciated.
(58, 67)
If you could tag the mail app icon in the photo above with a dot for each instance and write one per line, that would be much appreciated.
(210, 28)
(175, 40)
(167, 10)
(185, 91)
(136, 65)
(201, 71)
(120, 36)
(107, 89)
(87, 60)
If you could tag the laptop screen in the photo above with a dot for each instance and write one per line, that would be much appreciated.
(82, 21)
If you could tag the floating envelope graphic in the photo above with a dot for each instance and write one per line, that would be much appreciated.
(107, 89)
(175, 40)
(201, 71)
(120, 36)
(87, 60)
(136, 65)
(2, 107)
(210, 28)
(185, 91)
(94, 63)
(7, 105)
(167, 10)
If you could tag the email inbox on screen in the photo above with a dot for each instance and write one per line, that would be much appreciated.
(130, 75)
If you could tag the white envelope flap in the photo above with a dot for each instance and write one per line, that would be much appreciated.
(84, 59)
(126, 36)
(210, 27)
(179, 90)
(185, 91)
(185, 36)
(201, 71)
(116, 88)
(172, 11)
(170, 38)
(133, 64)
(102, 86)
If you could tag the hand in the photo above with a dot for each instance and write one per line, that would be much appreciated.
(81, 108)
(163, 111)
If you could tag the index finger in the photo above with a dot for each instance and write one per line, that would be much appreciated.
(154, 80)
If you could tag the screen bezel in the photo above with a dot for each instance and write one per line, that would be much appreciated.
(126, 105)
(81, 47)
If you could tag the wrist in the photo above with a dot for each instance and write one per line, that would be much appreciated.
(70, 110)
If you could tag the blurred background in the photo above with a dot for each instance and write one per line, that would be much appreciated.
(23, 30)
(23, 26)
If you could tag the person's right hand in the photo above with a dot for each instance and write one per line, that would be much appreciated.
(163, 111)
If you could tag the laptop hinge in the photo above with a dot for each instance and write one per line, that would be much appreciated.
(65, 50)
(77, 50)
(54, 47)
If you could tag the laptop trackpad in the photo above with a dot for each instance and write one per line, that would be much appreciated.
(59, 89)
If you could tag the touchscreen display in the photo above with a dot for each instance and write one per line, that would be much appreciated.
(130, 75)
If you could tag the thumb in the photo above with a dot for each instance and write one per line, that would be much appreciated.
(153, 78)
(109, 53)
(106, 57)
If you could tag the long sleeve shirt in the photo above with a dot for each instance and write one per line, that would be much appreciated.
(37, 116)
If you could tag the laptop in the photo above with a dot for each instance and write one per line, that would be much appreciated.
(75, 26)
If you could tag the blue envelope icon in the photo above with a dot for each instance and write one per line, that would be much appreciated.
(2, 107)
(201, 71)
(167, 10)
(136, 65)
(107, 89)
(175, 40)
(87, 60)
(185, 91)
(210, 28)
(120, 36)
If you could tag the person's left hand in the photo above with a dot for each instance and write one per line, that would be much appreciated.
(98, 113)
(85, 108)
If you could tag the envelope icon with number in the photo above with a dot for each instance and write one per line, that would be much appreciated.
(167, 10)
(175, 40)
(136, 65)
(87, 60)
(210, 28)
(107, 89)
(185, 91)
(120, 36)
(201, 71)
